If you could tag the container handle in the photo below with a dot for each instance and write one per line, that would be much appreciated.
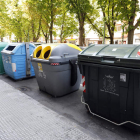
(118, 124)
(74, 75)
(28, 67)
(110, 57)
(65, 54)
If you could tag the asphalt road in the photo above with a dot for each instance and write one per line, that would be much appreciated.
(71, 107)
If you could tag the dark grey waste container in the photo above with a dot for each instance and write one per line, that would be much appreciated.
(59, 75)
(112, 83)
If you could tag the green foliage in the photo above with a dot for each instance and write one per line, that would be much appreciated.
(3, 17)
(110, 12)
(79, 7)
(128, 11)
(94, 20)
(48, 10)
(66, 23)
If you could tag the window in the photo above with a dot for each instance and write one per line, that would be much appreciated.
(137, 40)
(119, 28)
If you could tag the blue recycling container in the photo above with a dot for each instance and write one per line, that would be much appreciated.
(16, 60)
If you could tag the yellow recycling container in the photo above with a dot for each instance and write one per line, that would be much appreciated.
(57, 72)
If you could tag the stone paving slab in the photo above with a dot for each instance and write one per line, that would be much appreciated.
(23, 118)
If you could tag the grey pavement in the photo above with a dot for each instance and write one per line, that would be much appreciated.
(71, 109)
(23, 118)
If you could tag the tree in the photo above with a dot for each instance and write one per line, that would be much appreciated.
(110, 12)
(34, 18)
(128, 12)
(3, 19)
(45, 29)
(67, 27)
(80, 8)
(95, 21)
(14, 22)
(66, 23)
(48, 10)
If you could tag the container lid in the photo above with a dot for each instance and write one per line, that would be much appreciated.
(17, 48)
(93, 49)
(122, 51)
(120, 55)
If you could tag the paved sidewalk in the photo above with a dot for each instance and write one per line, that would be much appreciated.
(23, 118)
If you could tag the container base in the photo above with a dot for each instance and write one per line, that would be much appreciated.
(57, 96)
(2, 73)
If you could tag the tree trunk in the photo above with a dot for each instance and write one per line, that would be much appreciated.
(20, 39)
(51, 29)
(62, 28)
(35, 39)
(60, 39)
(51, 24)
(61, 34)
(51, 32)
(111, 33)
(46, 38)
(81, 33)
(111, 40)
(51, 39)
(112, 37)
(130, 36)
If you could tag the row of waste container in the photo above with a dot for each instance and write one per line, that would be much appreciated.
(110, 75)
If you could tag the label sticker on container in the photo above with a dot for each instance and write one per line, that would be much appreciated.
(109, 85)
(114, 49)
(42, 75)
(40, 67)
(14, 67)
(138, 53)
(122, 77)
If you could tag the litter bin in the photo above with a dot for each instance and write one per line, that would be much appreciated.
(16, 60)
(111, 83)
(57, 73)
(2, 46)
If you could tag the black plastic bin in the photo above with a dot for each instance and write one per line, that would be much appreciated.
(112, 83)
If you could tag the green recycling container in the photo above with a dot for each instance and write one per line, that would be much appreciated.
(2, 46)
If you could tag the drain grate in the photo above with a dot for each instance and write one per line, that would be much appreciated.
(24, 88)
